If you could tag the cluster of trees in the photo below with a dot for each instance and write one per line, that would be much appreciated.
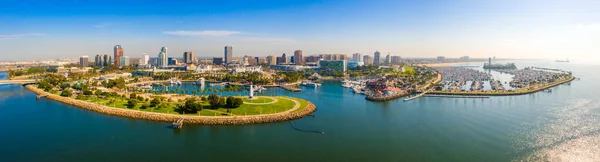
(291, 76)
(229, 102)
(191, 105)
(31, 70)
(119, 83)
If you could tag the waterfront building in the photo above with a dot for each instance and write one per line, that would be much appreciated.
(217, 61)
(163, 60)
(298, 59)
(357, 57)
(396, 59)
(228, 52)
(376, 58)
(188, 57)
(242, 69)
(83, 61)
(118, 52)
(368, 60)
(271, 60)
(99, 60)
(107, 60)
(145, 59)
(336, 65)
(353, 64)
(124, 61)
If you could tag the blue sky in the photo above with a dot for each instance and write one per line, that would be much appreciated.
(502, 28)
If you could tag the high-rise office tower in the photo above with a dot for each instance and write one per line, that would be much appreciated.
(145, 59)
(228, 54)
(357, 57)
(98, 60)
(83, 61)
(118, 54)
(163, 58)
(298, 57)
(376, 58)
(271, 60)
(107, 60)
(388, 59)
(368, 60)
(188, 57)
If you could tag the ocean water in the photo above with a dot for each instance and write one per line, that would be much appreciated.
(563, 125)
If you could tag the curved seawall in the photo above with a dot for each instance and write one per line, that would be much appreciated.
(205, 120)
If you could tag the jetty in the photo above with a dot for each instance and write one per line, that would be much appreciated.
(455, 96)
(290, 88)
(415, 97)
(41, 96)
(178, 124)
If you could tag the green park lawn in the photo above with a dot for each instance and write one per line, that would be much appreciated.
(283, 104)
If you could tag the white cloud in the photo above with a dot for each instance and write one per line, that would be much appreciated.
(12, 36)
(215, 33)
(262, 39)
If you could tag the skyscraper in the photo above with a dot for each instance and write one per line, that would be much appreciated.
(145, 59)
(388, 59)
(377, 58)
(188, 57)
(228, 54)
(99, 60)
(83, 61)
(271, 60)
(163, 58)
(298, 57)
(357, 57)
(368, 60)
(118, 54)
(107, 60)
(396, 59)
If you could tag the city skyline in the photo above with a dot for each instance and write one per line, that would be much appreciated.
(506, 29)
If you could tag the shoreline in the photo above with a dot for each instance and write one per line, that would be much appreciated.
(287, 115)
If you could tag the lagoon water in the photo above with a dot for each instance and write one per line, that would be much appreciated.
(561, 125)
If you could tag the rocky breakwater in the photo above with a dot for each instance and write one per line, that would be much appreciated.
(188, 119)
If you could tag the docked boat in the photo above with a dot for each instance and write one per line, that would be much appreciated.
(175, 81)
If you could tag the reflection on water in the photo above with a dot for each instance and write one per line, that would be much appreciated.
(569, 131)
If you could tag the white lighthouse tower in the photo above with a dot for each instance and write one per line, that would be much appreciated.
(251, 90)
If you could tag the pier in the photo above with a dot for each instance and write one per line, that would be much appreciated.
(415, 97)
(178, 124)
(455, 96)
(290, 88)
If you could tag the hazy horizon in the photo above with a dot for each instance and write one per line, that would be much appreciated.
(479, 29)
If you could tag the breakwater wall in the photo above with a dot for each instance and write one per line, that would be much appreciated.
(203, 120)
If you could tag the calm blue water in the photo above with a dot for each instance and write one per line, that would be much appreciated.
(564, 124)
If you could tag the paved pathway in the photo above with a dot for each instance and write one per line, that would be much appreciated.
(272, 102)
